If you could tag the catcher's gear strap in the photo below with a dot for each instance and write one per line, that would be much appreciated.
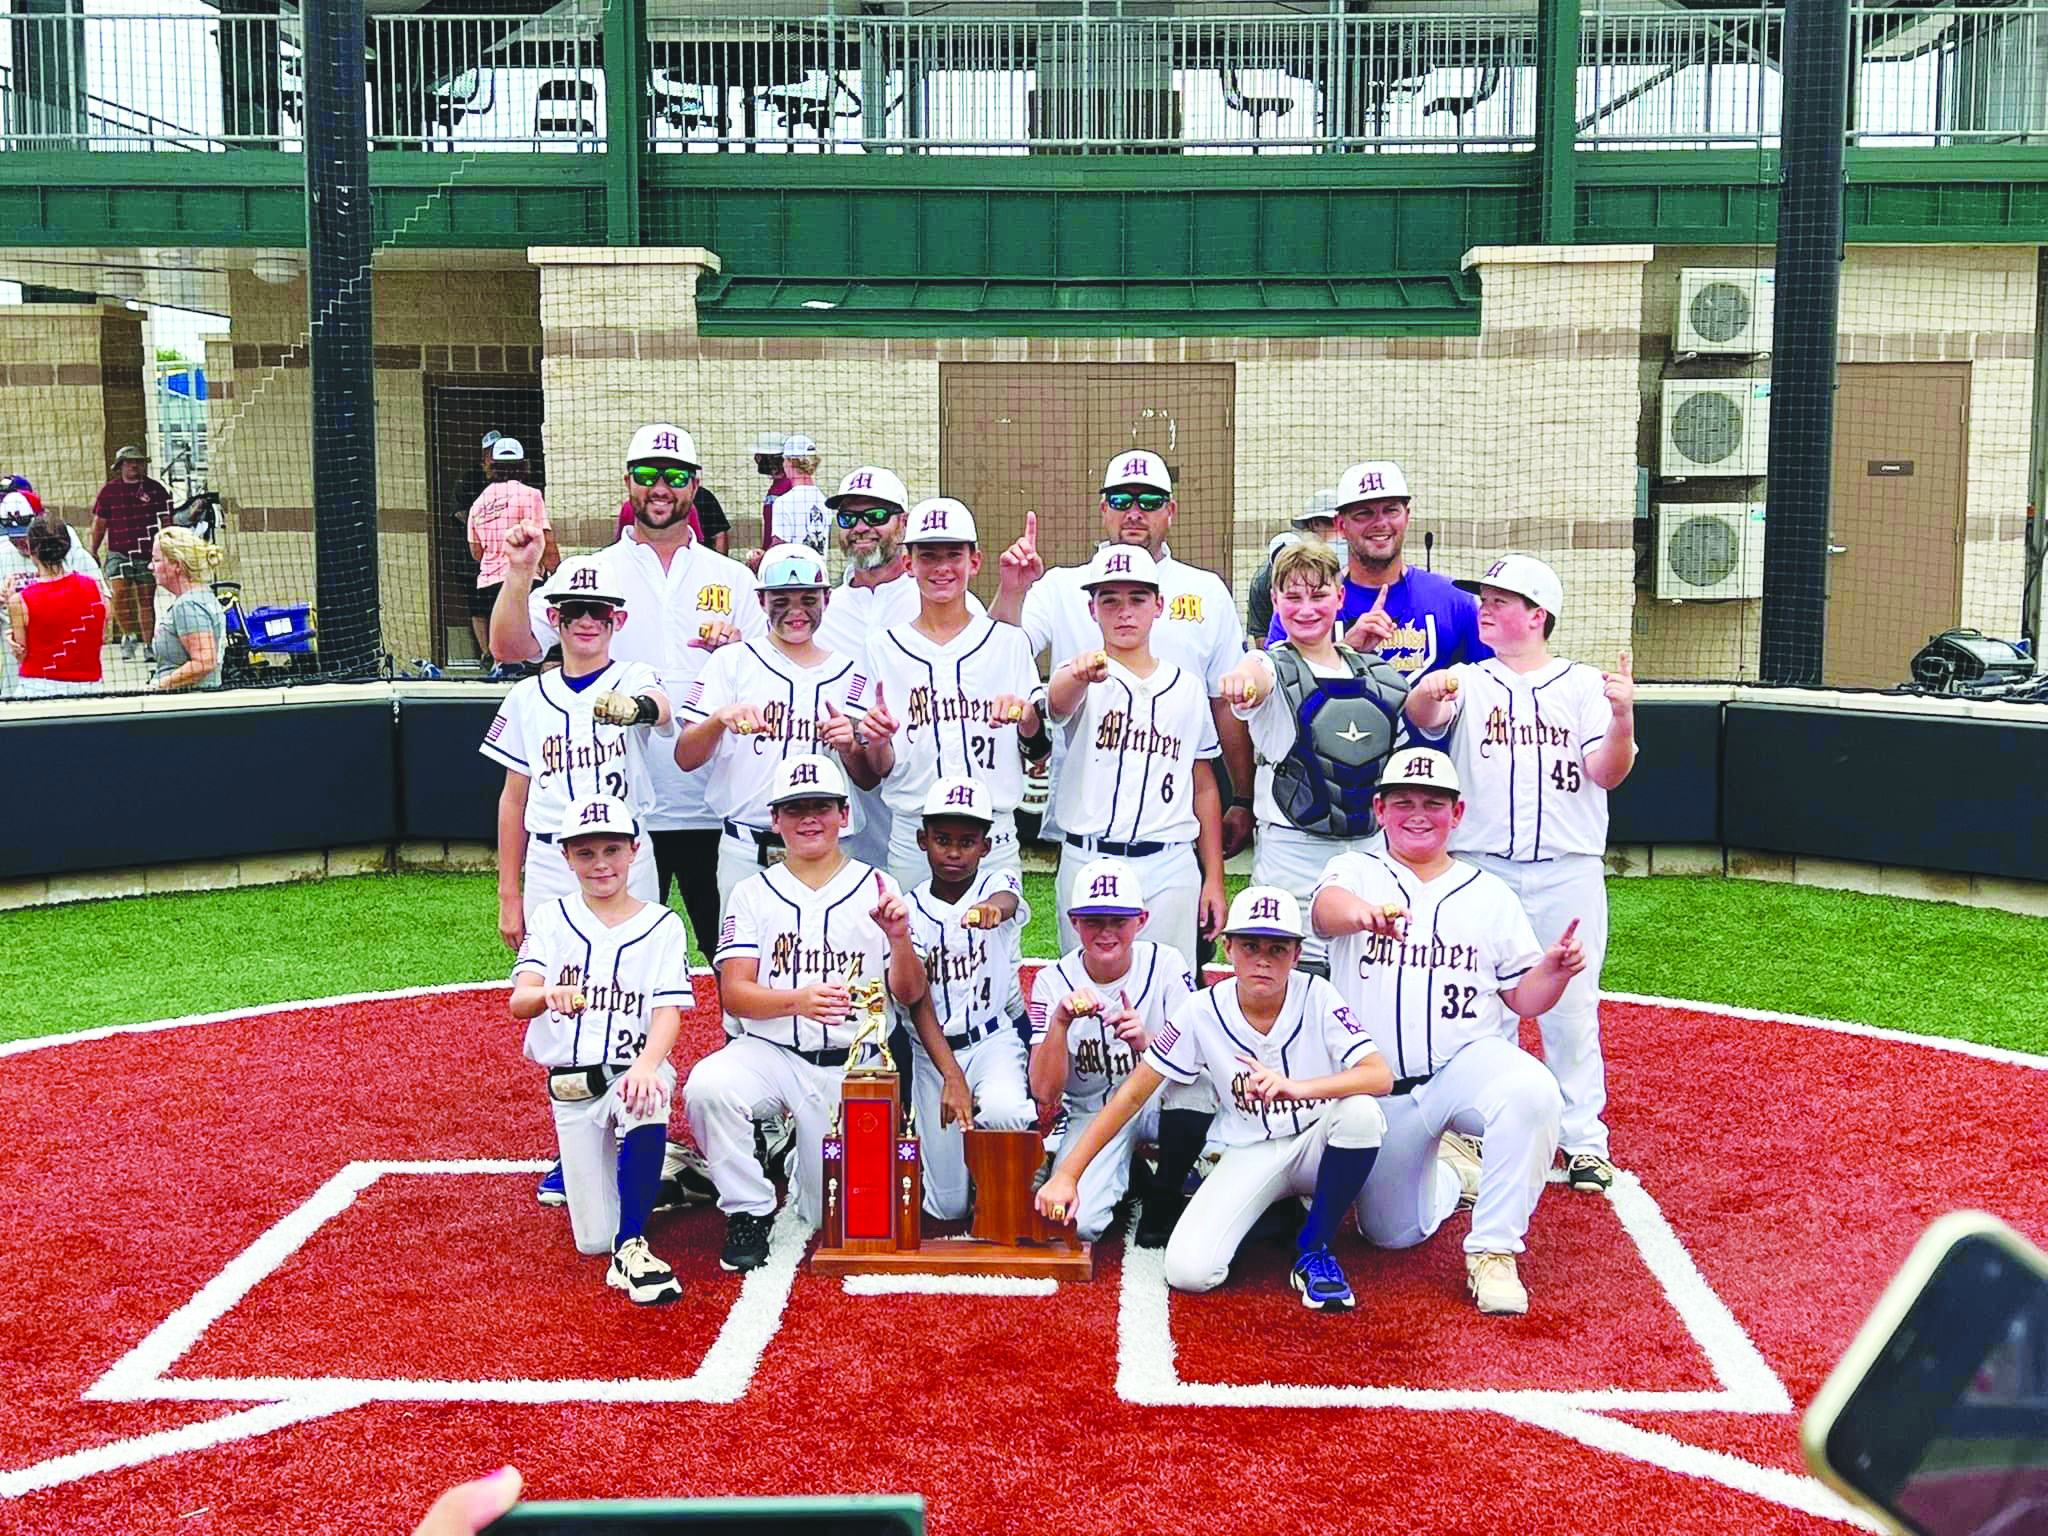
(579, 1085)
(1344, 727)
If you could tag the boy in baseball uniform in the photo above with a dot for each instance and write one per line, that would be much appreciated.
(1323, 717)
(1436, 956)
(1093, 1014)
(967, 922)
(1539, 742)
(1138, 782)
(759, 702)
(570, 733)
(945, 695)
(1296, 1073)
(809, 950)
(603, 977)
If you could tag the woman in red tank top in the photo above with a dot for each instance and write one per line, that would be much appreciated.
(56, 620)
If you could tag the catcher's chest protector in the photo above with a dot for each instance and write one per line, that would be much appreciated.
(1343, 730)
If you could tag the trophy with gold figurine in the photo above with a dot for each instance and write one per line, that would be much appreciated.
(874, 1179)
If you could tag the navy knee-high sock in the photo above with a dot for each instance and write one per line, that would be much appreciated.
(640, 1154)
(1338, 1181)
(1181, 1134)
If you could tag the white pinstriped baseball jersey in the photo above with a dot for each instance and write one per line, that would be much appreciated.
(1132, 745)
(1156, 984)
(545, 730)
(623, 972)
(1519, 740)
(1429, 992)
(972, 971)
(798, 936)
(1316, 1035)
(940, 696)
(790, 699)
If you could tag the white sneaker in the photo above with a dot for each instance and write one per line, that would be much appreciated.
(1461, 1155)
(128, 644)
(1494, 1284)
(644, 1278)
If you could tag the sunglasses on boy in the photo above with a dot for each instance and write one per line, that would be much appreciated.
(874, 517)
(654, 474)
(574, 608)
(1146, 501)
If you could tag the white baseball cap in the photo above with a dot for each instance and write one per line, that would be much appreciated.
(660, 440)
(1137, 467)
(1525, 576)
(806, 776)
(1113, 563)
(788, 567)
(1323, 504)
(491, 437)
(940, 520)
(962, 797)
(1374, 480)
(873, 482)
(508, 448)
(766, 443)
(584, 578)
(796, 443)
(597, 815)
(1421, 768)
(1106, 888)
(18, 510)
(1264, 912)
(1280, 541)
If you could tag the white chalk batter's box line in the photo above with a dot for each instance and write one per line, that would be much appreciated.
(722, 1376)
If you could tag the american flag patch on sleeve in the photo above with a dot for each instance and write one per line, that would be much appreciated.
(856, 692)
(1164, 1041)
(1035, 1011)
(695, 696)
(497, 729)
(728, 930)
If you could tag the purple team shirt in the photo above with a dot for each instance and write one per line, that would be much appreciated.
(1439, 625)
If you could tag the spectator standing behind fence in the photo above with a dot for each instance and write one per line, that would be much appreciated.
(799, 515)
(768, 462)
(55, 617)
(192, 632)
(506, 502)
(125, 516)
(21, 512)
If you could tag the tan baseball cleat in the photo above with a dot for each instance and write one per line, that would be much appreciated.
(1494, 1284)
(1461, 1155)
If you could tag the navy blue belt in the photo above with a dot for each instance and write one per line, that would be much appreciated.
(754, 835)
(830, 1058)
(973, 1035)
(1115, 850)
(1409, 1084)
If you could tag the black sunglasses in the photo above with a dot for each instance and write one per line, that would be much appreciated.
(1147, 501)
(654, 474)
(874, 517)
(574, 608)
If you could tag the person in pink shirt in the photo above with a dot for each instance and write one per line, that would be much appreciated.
(506, 502)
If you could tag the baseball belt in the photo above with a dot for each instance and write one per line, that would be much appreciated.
(1409, 1084)
(973, 1034)
(768, 846)
(827, 1058)
(579, 1085)
(1114, 850)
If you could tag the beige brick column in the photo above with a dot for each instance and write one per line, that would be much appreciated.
(606, 313)
(71, 395)
(1560, 409)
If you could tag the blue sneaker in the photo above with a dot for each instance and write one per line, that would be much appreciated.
(552, 1191)
(1321, 1282)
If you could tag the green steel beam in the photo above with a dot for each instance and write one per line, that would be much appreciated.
(625, 110)
(1557, 111)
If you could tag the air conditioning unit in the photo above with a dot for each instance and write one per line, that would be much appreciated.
(1710, 549)
(1724, 309)
(1716, 427)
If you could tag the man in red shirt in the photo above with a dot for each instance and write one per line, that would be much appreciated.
(125, 517)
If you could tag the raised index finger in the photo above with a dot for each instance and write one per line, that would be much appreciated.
(1627, 666)
(1031, 528)
(1571, 929)
(1379, 602)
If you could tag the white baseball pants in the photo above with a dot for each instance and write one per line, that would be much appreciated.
(994, 1066)
(1492, 1090)
(1248, 1179)
(748, 1079)
(1172, 882)
(1294, 860)
(546, 875)
(1107, 1179)
(738, 859)
(1554, 892)
(588, 1135)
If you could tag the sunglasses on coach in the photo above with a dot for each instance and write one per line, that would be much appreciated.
(874, 517)
(577, 608)
(654, 474)
(1145, 501)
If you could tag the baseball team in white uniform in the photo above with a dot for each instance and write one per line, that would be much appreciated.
(1427, 874)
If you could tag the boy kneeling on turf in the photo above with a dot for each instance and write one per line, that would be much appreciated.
(604, 976)
(1297, 1074)
(801, 950)
(966, 921)
(1093, 1013)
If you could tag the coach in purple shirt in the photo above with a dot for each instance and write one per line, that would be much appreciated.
(1416, 620)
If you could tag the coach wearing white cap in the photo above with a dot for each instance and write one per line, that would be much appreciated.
(685, 600)
(1198, 630)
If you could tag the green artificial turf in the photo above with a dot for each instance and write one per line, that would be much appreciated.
(1928, 967)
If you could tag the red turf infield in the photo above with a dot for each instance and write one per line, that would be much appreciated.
(1794, 1166)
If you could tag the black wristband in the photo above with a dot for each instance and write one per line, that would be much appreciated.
(1035, 747)
(1240, 803)
(645, 710)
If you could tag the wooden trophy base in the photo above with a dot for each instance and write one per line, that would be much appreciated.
(963, 1256)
